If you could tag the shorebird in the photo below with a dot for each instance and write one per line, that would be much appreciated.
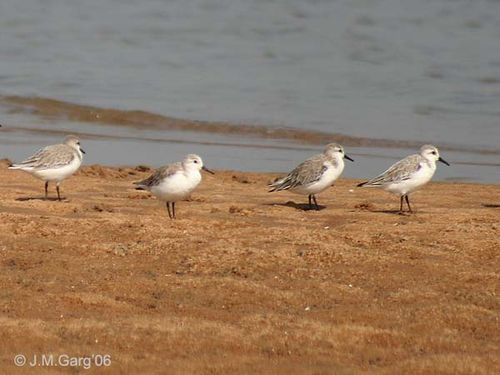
(315, 174)
(174, 182)
(54, 163)
(408, 174)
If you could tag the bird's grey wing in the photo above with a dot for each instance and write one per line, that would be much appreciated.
(159, 175)
(305, 173)
(400, 171)
(54, 156)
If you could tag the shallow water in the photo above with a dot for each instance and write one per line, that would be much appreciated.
(423, 71)
(133, 146)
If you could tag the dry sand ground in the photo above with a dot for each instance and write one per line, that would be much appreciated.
(244, 283)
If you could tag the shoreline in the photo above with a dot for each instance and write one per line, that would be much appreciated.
(110, 134)
(139, 119)
(247, 281)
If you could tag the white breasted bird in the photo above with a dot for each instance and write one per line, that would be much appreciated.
(175, 182)
(408, 174)
(315, 174)
(54, 163)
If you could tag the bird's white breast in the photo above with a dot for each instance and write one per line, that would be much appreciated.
(177, 186)
(415, 182)
(57, 174)
(327, 179)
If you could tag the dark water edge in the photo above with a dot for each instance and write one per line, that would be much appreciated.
(121, 137)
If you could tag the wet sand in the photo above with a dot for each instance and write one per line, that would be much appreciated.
(249, 282)
(109, 135)
(142, 120)
(48, 107)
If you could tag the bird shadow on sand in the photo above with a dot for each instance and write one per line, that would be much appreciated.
(393, 212)
(490, 205)
(49, 199)
(297, 206)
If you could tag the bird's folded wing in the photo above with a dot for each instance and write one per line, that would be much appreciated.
(398, 172)
(160, 174)
(305, 173)
(55, 156)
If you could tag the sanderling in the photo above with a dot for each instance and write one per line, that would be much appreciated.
(408, 174)
(174, 182)
(54, 163)
(314, 174)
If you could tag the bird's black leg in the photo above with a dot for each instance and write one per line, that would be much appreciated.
(168, 208)
(46, 189)
(401, 204)
(315, 202)
(310, 202)
(408, 203)
(173, 210)
(58, 193)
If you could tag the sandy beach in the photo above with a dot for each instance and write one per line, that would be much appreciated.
(245, 281)
(249, 282)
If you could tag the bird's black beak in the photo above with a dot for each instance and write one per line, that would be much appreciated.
(348, 157)
(443, 161)
(207, 170)
(83, 152)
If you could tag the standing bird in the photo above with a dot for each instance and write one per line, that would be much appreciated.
(175, 182)
(54, 163)
(409, 174)
(315, 174)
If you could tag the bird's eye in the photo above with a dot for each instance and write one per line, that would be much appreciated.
(433, 152)
(196, 161)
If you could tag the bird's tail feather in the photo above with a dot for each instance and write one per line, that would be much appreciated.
(370, 184)
(278, 184)
(281, 183)
(17, 166)
(139, 185)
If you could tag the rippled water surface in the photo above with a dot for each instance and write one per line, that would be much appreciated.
(415, 70)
